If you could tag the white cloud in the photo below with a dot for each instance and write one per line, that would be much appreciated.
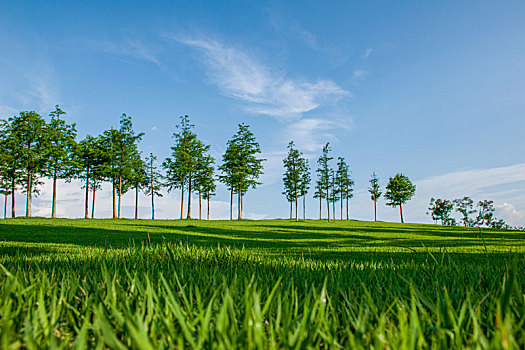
(367, 53)
(265, 92)
(511, 214)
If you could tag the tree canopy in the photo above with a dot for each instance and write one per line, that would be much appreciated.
(399, 190)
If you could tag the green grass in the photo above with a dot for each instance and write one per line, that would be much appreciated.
(259, 284)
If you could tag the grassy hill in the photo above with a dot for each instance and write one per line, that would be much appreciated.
(272, 283)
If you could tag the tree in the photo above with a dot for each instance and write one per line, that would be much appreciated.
(375, 192)
(10, 166)
(304, 184)
(465, 206)
(207, 183)
(334, 194)
(241, 168)
(5, 189)
(182, 165)
(399, 190)
(324, 171)
(204, 181)
(126, 156)
(344, 184)
(440, 209)
(90, 157)
(295, 165)
(288, 192)
(29, 133)
(154, 182)
(485, 213)
(120, 148)
(59, 163)
(137, 177)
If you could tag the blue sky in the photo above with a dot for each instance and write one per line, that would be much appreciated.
(434, 90)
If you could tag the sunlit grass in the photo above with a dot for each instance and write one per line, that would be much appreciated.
(260, 284)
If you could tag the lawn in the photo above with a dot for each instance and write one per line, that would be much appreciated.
(260, 284)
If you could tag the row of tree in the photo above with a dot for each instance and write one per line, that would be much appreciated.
(31, 148)
(482, 215)
(336, 185)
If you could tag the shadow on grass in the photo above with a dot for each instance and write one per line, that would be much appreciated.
(320, 241)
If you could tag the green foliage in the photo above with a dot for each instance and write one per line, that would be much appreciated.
(240, 166)
(59, 162)
(485, 213)
(323, 171)
(374, 189)
(183, 160)
(10, 167)
(122, 159)
(205, 179)
(28, 131)
(465, 206)
(183, 166)
(343, 184)
(296, 178)
(154, 179)
(441, 209)
(324, 183)
(375, 192)
(399, 190)
(258, 284)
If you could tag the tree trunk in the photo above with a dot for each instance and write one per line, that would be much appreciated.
(29, 190)
(136, 202)
(208, 212)
(239, 204)
(54, 201)
(86, 202)
(152, 205)
(375, 209)
(291, 210)
(401, 212)
(93, 204)
(13, 198)
(347, 207)
(200, 205)
(341, 206)
(114, 201)
(231, 203)
(320, 207)
(296, 210)
(304, 207)
(189, 200)
(119, 193)
(328, 204)
(5, 205)
(182, 199)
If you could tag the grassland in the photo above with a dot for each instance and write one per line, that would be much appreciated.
(258, 284)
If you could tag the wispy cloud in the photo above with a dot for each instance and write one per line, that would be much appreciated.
(310, 134)
(133, 48)
(264, 91)
(291, 27)
(359, 74)
(367, 53)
